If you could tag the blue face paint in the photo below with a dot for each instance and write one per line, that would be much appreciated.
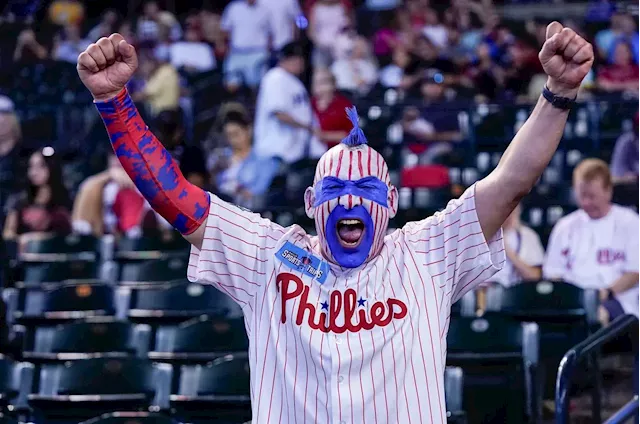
(370, 188)
(345, 257)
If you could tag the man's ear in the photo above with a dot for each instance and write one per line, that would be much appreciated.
(392, 201)
(309, 200)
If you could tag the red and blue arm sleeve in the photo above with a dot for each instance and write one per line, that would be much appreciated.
(152, 169)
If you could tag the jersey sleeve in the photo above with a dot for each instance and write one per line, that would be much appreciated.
(234, 253)
(555, 261)
(452, 247)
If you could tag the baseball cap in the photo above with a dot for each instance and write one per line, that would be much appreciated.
(292, 49)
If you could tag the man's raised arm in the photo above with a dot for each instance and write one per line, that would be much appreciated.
(566, 58)
(104, 68)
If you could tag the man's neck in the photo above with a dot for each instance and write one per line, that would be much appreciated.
(6, 147)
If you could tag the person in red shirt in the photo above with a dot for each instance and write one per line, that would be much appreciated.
(329, 107)
(622, 75)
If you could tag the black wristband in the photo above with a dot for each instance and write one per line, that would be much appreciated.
(564, 103)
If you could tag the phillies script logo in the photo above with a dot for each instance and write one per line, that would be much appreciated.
(609, 256)
(354, 310)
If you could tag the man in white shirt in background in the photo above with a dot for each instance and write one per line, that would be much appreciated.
(524, 251)
(284, 15)
(596, 247)
(248, 26)
(285, 125)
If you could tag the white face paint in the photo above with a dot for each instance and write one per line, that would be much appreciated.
(352, 163)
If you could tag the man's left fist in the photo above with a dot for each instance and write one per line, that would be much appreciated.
(566, 58)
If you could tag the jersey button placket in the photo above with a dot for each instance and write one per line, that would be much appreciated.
(337, 381)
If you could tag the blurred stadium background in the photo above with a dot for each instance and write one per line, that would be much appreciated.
(95, 299)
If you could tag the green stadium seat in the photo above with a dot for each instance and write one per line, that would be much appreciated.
(79, 390)
(146, 248)
(16, 380)
(453, 390)
(565, 314)
(165, 304)
(200, 340)
(131, 418)
(214, 393)
(153, 271)
(499, 357)
(37, 273)
(80, 340)
(64, 303)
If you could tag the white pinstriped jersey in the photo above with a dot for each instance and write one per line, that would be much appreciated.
(366, 345)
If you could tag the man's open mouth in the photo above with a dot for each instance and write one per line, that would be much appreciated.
(350, 232)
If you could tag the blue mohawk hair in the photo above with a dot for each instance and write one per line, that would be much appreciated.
(356, 136)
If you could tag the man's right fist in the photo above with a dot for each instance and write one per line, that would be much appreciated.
(106, 66)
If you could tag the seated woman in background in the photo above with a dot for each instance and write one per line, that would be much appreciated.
(622, 74)
(237, 171)
(524, 251)
(109, 203)
(44, 207)
(329, 106)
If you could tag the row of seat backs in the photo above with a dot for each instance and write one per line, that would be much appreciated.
(223, 380)
(169, 302)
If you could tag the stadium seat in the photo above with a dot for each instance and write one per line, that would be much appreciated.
(214, 393)
(59, 258)
(80, 340)
(453, 390)
(131, 418)
(201, 339)
(146, 248)
(499, 358)
(565, 314)
(16, 381)
(153, 271)
(78, 390)
(178, 302)
(65, 303)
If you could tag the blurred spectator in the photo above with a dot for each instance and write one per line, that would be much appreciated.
(71, 44)
(434, 30)
(623, 28)
(11, 163)
(484, 75)
(622, 75)
(359, 72)
(284, 125)
(379, 5)
(424, 139)
(66, 12)
(238, 172)
(105, 27)
(329, 106)
(596, 246)
(327, 18)
(169, 128)
(155, 24)
(162, 87)
(284, 15)
(600, 11)
(192, 55)
(28, 48)
(524, 251)
(624, 162)
(393, 75)
(109, 203)
(395, 34)
(417, 11)
(248, 26)
(523, 65)
(212, 33)
(126, 30)
(344, 42)
(45, 205)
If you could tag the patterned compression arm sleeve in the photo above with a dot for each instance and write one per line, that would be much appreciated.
(151, 167)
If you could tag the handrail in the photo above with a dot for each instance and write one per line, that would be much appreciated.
(624, 413)
(571, 358)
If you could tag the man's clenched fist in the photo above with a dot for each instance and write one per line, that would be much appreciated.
(566, 58)
(106, 66)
